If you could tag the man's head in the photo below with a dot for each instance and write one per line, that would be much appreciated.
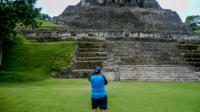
(98, 70)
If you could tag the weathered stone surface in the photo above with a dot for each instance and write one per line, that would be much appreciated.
(157, 73)
(142, 41)
(152, 61)
(141, 60)
(143, 53)
(87, 56)
(149, 18)
(135, 3)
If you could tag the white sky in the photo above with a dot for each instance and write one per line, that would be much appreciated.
(183, 7)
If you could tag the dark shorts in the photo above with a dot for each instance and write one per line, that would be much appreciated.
(100, 103)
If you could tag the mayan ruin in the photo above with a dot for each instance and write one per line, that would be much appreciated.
(135, 40)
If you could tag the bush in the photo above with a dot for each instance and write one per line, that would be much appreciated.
(31, 61)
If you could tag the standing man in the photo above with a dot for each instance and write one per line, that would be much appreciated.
(99, 97)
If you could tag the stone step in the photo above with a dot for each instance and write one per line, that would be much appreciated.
(91, 45)
(87, 65)
(90, 58)
(187, 46)
(154, 68)
(159, 69)
(84, 70)
(91, 50)
(195, 64)
(149, 66)
(89, 40)
(91, 54)
(164, 77)
(158, 62)
(88, 61)
(156, 71)
(161, 75)
(192, 59)
(190, 51)
(191, 55)
(159, 79)
(150, 77)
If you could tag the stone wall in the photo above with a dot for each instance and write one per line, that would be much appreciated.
(112, 17)
(45, 34)
(57, 34)
(137, 59)
(146, 60)
(143, 53)
(132, 3)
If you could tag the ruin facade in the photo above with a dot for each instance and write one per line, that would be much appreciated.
(131, 39)
(134, 3)
(121, 15)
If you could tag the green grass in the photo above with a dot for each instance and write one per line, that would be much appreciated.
(44, 25)
(74, 96)
(198, 31)
(48, 24)
(34, 61)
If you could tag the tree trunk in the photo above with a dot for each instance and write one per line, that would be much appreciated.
(1, 53)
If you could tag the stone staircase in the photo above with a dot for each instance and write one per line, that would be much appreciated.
(191, 54)
(154, 61)
(88, 55)
(157, 73)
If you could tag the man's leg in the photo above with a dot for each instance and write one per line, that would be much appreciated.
(103, 104)
(94, 105)
(94, 110)
(103, 110)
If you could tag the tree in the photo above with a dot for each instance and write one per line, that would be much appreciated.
(192, 20)
(44, 17)
(13, 13)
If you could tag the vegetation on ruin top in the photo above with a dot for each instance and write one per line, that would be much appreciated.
(48, 24)
(32, 61)
(198, 30)
(43, 24)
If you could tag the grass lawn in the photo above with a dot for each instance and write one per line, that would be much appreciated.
(74, 96)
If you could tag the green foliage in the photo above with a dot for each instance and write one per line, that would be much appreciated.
(189, 19)
(198, 30)
(14, 12)
(44, 17)
(48, 24)
(14, 40)
(34, 61)
(192, 21)
(74, 96)
(42, 24)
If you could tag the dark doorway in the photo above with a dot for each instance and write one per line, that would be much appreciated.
(140, 3)
(129, 1)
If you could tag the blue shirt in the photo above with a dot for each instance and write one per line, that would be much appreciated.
(98, 82)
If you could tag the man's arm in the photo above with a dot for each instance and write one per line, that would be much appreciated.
(105, 80)
(90, 76)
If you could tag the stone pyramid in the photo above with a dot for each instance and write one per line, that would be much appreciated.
(121, 15)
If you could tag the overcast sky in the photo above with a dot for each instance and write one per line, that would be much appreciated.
(183, 7)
